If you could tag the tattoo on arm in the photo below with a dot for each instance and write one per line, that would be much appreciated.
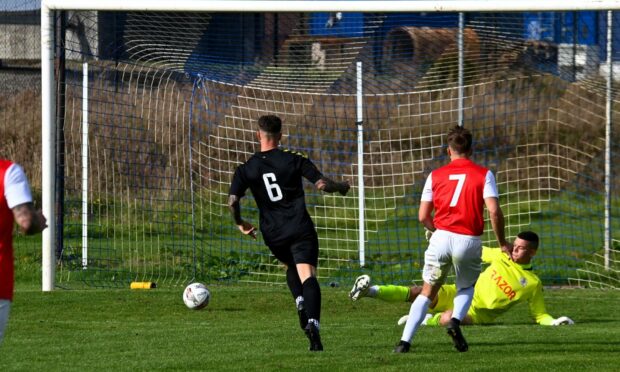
(235, 209)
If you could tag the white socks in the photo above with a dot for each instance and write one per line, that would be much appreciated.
(418, 310)
(462, 301)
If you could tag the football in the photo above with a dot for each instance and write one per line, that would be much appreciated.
(196, 296)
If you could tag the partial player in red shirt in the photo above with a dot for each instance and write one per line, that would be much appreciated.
(457, 192)
(15, 206)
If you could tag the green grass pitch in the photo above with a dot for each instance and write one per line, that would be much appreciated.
(256, 328)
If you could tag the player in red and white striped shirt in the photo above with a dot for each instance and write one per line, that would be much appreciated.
(457, 192)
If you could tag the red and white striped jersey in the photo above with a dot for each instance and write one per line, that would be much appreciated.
(457, 191)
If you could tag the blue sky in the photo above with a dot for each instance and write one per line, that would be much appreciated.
(19, 4)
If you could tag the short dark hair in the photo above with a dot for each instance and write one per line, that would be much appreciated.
(270, 124)
(460, 140)
(529, 236)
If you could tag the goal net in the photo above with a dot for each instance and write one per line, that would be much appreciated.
(156, 109)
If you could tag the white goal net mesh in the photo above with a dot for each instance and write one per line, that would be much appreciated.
(173, 99)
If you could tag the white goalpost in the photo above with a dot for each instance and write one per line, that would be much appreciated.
(167, 115)
(85, 165)
(360, 163)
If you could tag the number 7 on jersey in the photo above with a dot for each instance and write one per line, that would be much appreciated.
(460, 178)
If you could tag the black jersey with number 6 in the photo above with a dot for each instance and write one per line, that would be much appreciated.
(275, 179)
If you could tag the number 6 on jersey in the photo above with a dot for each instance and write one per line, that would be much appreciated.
(273, 189)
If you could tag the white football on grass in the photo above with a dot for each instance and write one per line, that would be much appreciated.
(196, 296)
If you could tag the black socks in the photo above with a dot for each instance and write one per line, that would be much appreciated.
(312, 298)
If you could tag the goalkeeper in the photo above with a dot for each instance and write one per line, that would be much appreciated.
(507, 281)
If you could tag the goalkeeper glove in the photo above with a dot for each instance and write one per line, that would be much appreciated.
(403, 319)
(428, 233)
(563, 320)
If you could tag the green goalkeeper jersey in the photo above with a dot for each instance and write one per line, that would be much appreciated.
(504, 284)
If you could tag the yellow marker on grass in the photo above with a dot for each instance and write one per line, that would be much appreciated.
(142, 285)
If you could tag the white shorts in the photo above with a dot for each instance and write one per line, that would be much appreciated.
(447, 249)
(5, 307)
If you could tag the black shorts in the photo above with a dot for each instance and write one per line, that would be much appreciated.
(303, 249)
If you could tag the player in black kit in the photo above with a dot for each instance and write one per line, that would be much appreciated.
(274, 176)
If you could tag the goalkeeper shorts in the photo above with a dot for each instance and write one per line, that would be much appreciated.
(445, 298)
(445, 301)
